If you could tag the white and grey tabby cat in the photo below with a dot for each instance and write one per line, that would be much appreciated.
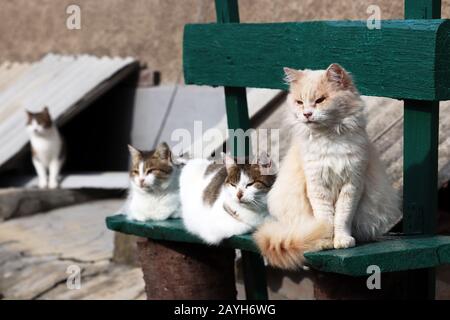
(154, 185)
(47, 148)
(222, 200)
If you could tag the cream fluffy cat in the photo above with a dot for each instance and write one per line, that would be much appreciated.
(47, 148)
(331, 188)
(154, 185)
(219, 201)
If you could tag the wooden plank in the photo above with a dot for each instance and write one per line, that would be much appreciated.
(260, 103)
(172, 230)
(423, 9)
(420, 166)
(227, 12)
(391, 255)
(238, 118)
(254, 276)
(420, 155)
(384, 62)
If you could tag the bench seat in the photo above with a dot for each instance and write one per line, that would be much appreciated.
(397, 254)
(172, 230)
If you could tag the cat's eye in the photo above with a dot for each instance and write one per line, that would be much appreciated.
(300, 102)
(135, 172)
(260, 185)
(154, 170)
(250, 184)
(320, 100)
(232, 184)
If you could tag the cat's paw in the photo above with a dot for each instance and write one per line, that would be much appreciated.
(42, 184)
(53, 184)
(342, 241)
(325, 244)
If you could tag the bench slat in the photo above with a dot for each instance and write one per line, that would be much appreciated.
(389, 255)
(171, 230)
(399, 60)
(406, 253)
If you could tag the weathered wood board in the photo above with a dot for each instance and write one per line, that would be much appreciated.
(384, 62)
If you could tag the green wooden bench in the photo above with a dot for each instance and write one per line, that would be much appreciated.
(405, 59)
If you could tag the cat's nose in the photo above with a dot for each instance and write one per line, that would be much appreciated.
(141, 182)
(307, 114)
(240, 194)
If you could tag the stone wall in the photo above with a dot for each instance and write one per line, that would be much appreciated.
(150, 30)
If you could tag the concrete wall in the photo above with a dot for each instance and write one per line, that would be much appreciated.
(150, 30)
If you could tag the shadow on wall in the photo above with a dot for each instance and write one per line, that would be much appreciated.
(97, 138)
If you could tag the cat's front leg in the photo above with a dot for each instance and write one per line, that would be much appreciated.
(41, 173)
(346, 206)
(54, 169)
(321, 202)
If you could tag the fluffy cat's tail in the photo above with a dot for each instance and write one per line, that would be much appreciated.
(283, 244)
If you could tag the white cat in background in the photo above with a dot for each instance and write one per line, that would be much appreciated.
(219, 201)
(47, 148)
(154, 184)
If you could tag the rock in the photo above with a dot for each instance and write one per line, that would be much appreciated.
(36, 251)
(125, 249)
(20, 202)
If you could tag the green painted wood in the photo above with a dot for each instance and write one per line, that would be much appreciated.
(227, 11)
(423, 9)
(389, 255)
(420, 158)
(420, 165)
(399, 60)
(254, 276)
(171, 230)
(238, 119)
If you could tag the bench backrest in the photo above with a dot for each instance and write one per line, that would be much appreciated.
(404, 59)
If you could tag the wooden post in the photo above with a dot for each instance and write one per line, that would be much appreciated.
(177, 271)
(227, 11)
(420, 161)
(329, 286)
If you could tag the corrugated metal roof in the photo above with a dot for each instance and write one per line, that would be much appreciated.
(65, 84)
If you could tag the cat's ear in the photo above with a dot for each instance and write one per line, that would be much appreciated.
(46, 111)
(337, 75)
(291, 75)
(29, 114)
(264, 160)
(163, 151)
(229, 162)
(135, 153)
